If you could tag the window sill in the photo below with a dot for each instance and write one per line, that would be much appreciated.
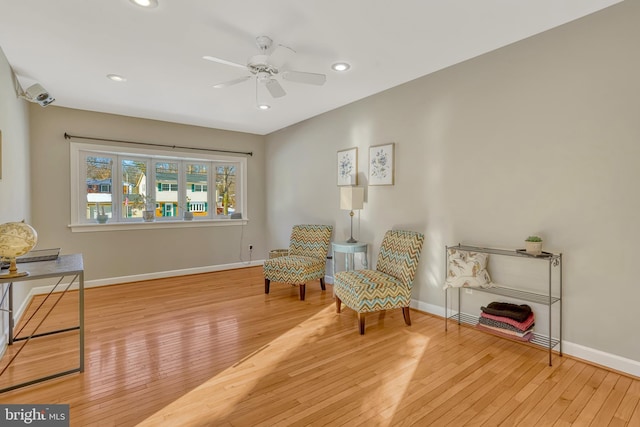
(117, 226)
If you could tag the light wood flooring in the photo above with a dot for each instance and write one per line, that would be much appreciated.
(214, 350)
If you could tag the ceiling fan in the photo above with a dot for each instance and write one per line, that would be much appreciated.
(268, 64)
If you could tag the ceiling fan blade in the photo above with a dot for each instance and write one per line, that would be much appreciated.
(275, 89)
(302, 77)
(223, 61)
(231, 82)
(281, 55)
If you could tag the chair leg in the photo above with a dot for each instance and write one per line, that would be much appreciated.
(407, 317)
(338, 304)
(302, 289)
(361, 322)
(266, 285)
(324, 288)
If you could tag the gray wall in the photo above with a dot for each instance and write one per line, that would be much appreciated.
(539, 137)
(132, 252)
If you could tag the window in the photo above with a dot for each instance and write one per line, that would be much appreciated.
(168, 183)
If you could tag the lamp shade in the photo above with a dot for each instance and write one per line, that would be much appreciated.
(351, 198)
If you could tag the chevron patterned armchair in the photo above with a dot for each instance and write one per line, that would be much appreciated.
(307, 258)
(389, 285)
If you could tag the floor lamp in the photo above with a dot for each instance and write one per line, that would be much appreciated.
(351, 198)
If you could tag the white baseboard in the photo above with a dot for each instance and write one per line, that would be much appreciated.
(608, 360)
(619, 363)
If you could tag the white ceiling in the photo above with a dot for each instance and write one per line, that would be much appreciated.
(69, 46)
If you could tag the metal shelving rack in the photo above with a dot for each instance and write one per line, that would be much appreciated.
(548, 299)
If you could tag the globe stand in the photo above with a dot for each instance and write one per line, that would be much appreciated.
(13, 270)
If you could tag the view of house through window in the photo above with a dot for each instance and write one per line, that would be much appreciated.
(197, 195)
(99, 178)
(122, 186)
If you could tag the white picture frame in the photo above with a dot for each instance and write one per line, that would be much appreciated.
(381, 164)
(348, 167)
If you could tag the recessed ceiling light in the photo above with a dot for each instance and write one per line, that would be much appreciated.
(264, 106)
(146, 3)
(116, 78)
(340, 66)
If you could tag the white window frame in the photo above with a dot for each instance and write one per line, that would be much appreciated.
(79, 151)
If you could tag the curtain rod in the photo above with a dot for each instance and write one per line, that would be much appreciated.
(67, 136)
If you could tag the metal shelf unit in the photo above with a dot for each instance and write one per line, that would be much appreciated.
(548, 299)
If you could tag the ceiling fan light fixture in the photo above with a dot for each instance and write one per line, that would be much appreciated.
(340, 66)
(263, 107)
(146, 3)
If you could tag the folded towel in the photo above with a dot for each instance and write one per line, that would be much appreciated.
(527, 337)
(505, 309)
(502, 325)
(523, 326)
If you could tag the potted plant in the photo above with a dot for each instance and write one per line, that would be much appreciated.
(147, 204)
(187, 215)
(533, 245)
(101, 217)
(149, 212)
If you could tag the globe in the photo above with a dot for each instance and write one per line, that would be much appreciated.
(16, 238)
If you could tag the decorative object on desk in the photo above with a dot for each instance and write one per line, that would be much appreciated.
(16, 238)
(381, 164)
(533, 245)
(351, 198)
(348, 167)
(467, 270)
(39, 255)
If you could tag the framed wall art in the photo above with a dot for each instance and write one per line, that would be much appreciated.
(348, 167)
(381, 164)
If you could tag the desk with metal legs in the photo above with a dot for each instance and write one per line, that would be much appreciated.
(63, 266)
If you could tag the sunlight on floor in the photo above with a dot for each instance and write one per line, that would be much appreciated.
(217, 398)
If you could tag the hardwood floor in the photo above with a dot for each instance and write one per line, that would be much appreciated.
(213, 349)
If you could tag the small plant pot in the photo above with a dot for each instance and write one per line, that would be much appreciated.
(533, 248)
(188, 216)
(102, 219)
(148, 216)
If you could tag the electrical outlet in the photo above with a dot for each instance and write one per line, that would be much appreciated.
(468, 291)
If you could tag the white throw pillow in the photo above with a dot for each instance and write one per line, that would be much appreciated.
(467, 269)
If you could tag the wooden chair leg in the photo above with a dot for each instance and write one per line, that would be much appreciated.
(338, 304)
(407, 317)
(266, 285)
(324, 288)
(361, 322)
(302, 289)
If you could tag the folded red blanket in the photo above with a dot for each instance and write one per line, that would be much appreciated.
(523, 326)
